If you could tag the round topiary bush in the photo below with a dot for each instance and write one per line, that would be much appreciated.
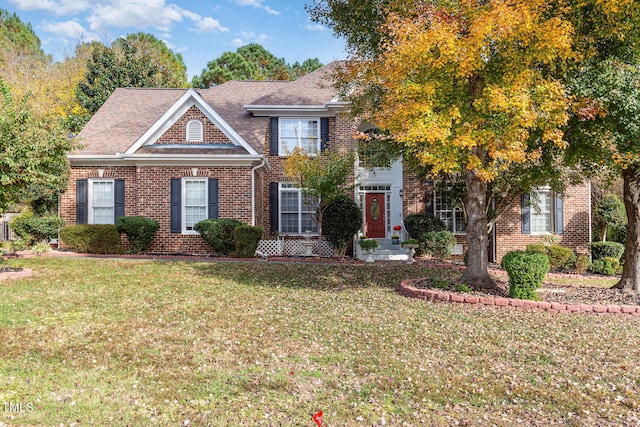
(601, 250)
(139, 230)
(218, 233)
(421, 223)
(341, 221)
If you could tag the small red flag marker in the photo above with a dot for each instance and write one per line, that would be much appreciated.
(318, 418)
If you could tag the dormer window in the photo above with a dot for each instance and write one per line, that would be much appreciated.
(194, 131)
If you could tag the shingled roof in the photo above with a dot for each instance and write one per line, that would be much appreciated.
(130, 112)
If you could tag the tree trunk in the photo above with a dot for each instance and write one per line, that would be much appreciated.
(630, 281)
(477, 273)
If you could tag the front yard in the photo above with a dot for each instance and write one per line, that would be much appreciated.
(124, 342)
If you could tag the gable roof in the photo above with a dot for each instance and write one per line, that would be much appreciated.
(134, 117)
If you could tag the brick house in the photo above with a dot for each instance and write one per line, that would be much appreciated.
(183, 155)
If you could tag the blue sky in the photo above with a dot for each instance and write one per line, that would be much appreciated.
(199, 30)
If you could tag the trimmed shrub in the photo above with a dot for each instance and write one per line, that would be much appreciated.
(582, 264)
(560, 257)
(540, 248)
(421, 223)
(607, 266)
(341, 221)
(218, 233)
(247, 238)
(526, 272)
(601, 250)
(139, 230)
(92, 238)
(33, 229)
(438, 244)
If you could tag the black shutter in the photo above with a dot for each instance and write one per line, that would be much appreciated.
(273, 136)
(213, 199)
(558, 204)
(526, 213)
(273, 206)
(118, 202)
(176, 205)
(82, 205)
(430, 195)
(324, 133)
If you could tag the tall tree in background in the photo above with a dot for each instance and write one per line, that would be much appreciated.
(33, 162)
(120, 66)
(463, 86)
(251, 62)
(171, 65)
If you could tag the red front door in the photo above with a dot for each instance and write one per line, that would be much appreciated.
(375, 207)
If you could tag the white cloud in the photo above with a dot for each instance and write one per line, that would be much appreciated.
(62, 7)
(203, 25)
(133, 13)
(315, 27)
(257, 4)
(246, 38)
(66, 29)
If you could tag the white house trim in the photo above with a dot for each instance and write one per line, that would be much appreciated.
(189, 99)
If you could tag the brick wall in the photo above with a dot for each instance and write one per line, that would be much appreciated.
(341, 131)
(147, 192)
(177, 134)
(576, 225)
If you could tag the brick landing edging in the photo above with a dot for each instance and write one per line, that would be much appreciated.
(437, 295)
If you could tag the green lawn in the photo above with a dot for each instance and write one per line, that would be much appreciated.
(123, 342)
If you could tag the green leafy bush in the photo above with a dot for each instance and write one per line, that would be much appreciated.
(461, 287)
(421, 223)
(438, 244)
(560, 257)
(581, 264)
(92, 238)
(341, 221)
(601, 250)
(540, 248)
(139, 230)
(247, 238)
(218, 233)
(607, 266)
(33, 229)
(526, 272)
(368, 244)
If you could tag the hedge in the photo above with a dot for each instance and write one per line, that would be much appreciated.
(601, 250)
(218, 233)
(139, 230)
(92, 238)
(247, 238)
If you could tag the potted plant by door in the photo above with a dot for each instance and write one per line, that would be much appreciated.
(370, 246)
(395, 237)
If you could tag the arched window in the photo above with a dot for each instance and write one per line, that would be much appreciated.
(194, 131)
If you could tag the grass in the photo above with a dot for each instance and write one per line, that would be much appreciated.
(122, 342)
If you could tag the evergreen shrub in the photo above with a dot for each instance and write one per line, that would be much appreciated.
(246, 239)
(218, 233)
(601, 250)
(92, 238)
(526, 272)
(139, 230)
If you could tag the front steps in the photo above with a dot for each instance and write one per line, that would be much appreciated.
(385, 252)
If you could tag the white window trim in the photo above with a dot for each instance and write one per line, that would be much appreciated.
(183, 205)
(282, 151)
(532, 208)
(200, 137)
(90, 198)
(453, 211)
(293, 188)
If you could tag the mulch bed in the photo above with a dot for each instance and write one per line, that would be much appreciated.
(550, 292)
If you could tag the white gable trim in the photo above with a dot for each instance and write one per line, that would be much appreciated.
(189, 99)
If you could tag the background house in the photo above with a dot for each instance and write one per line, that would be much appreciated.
(183, 155)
